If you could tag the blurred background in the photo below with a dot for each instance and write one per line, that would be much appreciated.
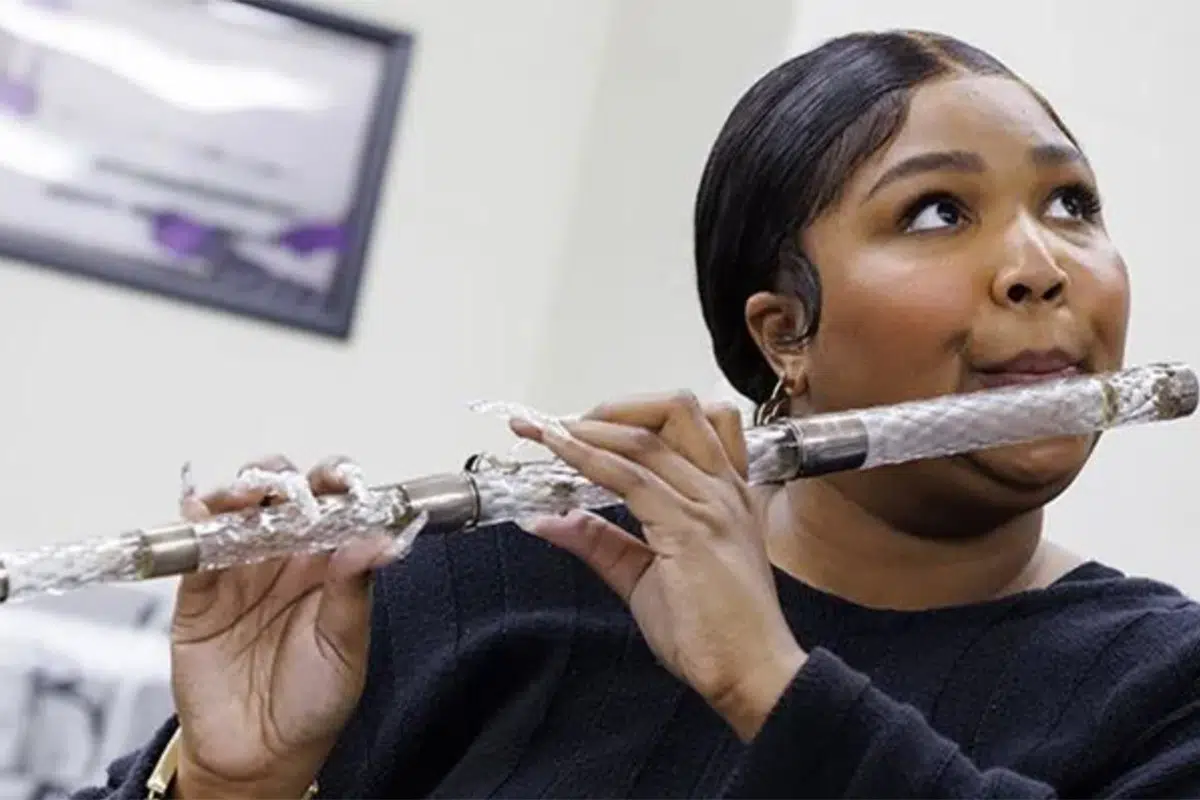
(532, 243)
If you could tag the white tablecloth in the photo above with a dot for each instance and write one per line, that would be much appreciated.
(83, 678)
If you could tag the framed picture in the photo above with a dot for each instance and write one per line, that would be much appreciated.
(228, 153)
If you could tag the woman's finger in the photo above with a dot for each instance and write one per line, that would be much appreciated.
(330, 476)
(680, 420)
(617, 556)
(649, 498)
(726, 421)
(649, 450)
(244, 495)
(191, 507)
(344, 612)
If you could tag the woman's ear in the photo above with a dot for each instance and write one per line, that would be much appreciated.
(776, 322)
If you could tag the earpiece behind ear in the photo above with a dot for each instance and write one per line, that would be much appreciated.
(776, 322)
(782, 321)
(790, 335)
(799, 278)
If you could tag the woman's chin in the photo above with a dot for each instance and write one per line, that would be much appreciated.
(1045, 465)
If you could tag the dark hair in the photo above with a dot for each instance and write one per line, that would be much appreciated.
(784, 156)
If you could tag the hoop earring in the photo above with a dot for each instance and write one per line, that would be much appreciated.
(777, 405)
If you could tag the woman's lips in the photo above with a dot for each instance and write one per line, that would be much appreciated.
(994, 380)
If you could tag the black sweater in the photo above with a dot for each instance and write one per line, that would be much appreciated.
(500, 666)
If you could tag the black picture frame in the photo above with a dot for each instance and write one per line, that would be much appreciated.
(221, 279)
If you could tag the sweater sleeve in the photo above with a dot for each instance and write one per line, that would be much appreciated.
(834, 734)
(127, 775)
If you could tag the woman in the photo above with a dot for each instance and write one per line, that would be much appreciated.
(888, 217)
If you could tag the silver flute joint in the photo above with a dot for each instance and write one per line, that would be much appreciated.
(169, 550)
(829, 443)
(450, 500)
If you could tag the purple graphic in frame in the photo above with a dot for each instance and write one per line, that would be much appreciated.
(306, 239)
(181, 236)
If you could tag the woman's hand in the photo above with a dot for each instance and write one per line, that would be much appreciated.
(268, 661)
(701, 586)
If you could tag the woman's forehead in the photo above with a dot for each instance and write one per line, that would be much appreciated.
(997, 118)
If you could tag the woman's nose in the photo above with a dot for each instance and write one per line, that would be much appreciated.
(1031, 275)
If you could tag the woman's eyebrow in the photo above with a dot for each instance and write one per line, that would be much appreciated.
(1042, 155)
(940, 161)
(1055, 155)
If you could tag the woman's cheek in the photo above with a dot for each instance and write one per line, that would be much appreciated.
(892, 332)
(1108, 302)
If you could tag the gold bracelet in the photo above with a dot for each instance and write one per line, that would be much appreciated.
(158, 785)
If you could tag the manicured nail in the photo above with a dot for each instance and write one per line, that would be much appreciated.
(529, 423)
(397, 548)
(352, 475)
(558, 433)
(528, 524)
(187, 485)
(403, 541)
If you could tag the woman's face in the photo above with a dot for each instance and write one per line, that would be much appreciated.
(968, 253)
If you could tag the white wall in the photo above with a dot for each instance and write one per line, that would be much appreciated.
(625, 316)
(1123, 77)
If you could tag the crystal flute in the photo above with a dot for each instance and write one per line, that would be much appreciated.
(492, 491)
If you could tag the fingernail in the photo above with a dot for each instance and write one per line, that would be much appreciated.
(556, 433)
(353, 477)
(526, 422)
(397, 549)
(527, 524)
(548, 428)
(187, 485)
(193, 509)
(404, 540)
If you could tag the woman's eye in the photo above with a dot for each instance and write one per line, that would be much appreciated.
(1073, 204)
(934, 215)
